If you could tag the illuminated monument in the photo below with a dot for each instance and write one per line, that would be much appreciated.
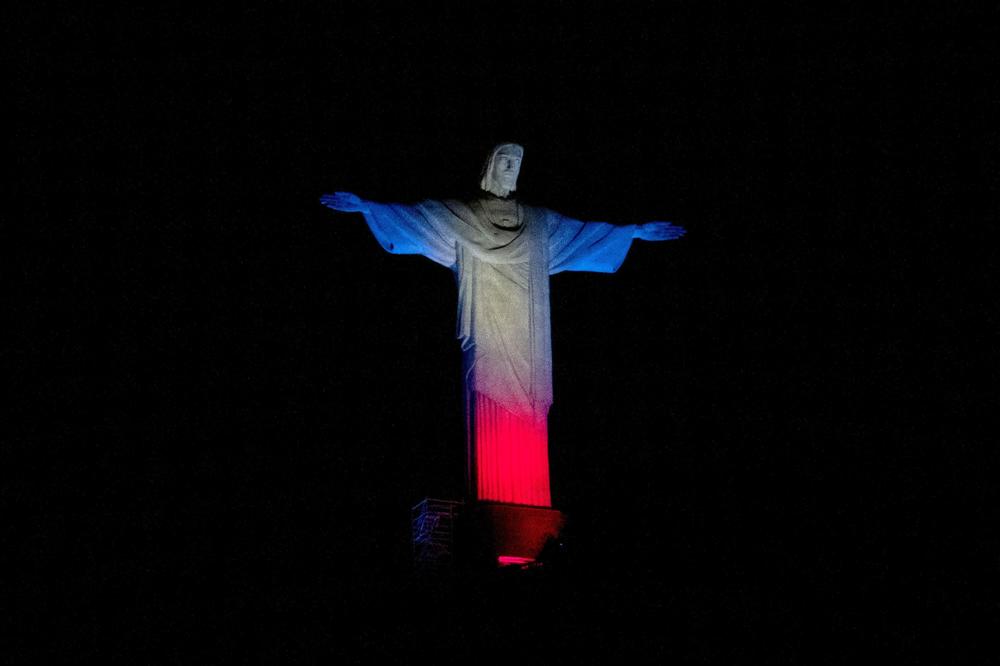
(502, 252)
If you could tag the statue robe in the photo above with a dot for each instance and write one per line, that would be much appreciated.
(502, 253)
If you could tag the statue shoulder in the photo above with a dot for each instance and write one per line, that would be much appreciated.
(456, 203)
(439, 204)
(539, 213)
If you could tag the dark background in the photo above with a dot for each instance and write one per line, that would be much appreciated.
(230, 396)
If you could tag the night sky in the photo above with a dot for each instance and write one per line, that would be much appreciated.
(232, 395)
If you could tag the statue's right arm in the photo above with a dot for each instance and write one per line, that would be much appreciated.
(345, 202)
(424, 228)
(658, 231)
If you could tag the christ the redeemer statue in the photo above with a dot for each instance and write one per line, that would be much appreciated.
(502, 252)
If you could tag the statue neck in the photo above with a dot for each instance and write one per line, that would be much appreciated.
(498, 191)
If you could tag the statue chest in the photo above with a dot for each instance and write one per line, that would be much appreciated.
(503, 216)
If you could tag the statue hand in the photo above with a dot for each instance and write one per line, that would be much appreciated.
(344, 202)
(658, 231)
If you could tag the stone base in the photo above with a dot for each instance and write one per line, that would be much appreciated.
(510, 534)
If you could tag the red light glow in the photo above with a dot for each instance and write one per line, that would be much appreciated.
(511, 456)
(510, 560)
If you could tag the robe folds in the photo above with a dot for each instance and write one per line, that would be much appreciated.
(502, 253)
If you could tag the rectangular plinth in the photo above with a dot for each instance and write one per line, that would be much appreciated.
(513, 534)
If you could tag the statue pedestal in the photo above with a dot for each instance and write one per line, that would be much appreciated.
(510, 534)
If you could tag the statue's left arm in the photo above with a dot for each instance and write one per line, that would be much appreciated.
(598, 246)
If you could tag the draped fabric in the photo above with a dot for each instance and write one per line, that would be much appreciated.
(510, 455)
(502, 253)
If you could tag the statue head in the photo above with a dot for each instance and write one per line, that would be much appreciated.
(501, 169)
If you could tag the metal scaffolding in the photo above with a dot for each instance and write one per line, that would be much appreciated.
(433, 523)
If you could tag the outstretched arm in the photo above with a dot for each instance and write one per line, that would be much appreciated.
(425, 228)
(658, 231)
(345, 202)
(598, 246)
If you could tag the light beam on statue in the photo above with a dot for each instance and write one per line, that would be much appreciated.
(502, 252)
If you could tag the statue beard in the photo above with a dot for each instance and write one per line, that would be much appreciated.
(495, 188)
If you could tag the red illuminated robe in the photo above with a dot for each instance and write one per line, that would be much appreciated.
(502, 253)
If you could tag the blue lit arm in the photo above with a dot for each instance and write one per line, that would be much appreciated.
(598, 246)
(587, 246)
(426, 228)
(659, 231)
(345, 202)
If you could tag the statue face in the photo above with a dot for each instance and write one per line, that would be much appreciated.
(506, 167)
